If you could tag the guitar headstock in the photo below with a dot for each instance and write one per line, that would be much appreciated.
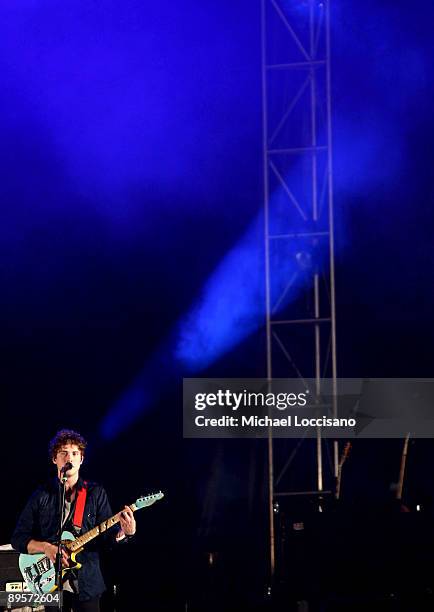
(147, 500)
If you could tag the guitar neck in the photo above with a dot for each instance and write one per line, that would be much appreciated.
(74, 545)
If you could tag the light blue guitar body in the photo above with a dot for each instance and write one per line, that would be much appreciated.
(39, 572)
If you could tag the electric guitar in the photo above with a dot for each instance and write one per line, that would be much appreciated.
(38, 570)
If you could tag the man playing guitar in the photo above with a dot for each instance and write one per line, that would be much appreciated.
(86, 506)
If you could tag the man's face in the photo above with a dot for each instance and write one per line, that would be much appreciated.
(71, 453)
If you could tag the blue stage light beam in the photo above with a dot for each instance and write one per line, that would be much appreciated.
(230, 308)
(140, 395)
(232, 304)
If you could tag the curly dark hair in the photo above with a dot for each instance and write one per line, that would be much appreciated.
(66, 436)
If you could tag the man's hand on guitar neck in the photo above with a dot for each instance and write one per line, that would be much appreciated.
(48, 549)
(128, 523)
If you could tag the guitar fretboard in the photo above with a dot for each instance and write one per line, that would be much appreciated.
(74, 545)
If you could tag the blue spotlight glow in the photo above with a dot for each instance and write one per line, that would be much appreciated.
(126, 410)
(230, 308)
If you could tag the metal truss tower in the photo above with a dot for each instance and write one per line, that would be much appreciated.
(299, 237)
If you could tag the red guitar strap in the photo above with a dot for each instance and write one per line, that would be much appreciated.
(79, 506)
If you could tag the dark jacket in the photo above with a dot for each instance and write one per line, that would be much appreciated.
(40, 519)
